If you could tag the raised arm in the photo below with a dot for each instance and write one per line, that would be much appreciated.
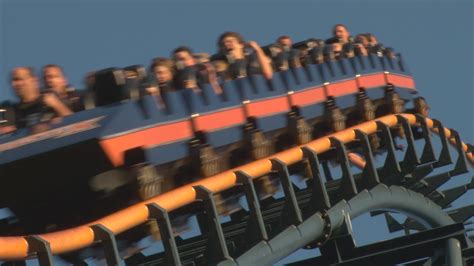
(53, 101)
(212, 77)
(267, 70)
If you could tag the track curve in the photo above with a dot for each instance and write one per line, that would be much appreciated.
(380, 197)
(82, 236)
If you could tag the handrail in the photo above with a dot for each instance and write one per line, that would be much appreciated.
(82, 236)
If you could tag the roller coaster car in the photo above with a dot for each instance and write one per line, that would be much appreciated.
(131, 147)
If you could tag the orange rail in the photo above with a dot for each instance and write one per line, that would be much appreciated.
(12, 248)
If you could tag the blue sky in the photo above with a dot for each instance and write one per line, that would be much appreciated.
(435, 37)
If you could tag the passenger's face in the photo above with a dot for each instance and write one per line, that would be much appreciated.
(231, 43)
(162, 74)
(337, 49)
(286, 42)
(54, 78)
(341, 33)
(363, 40)
(184, 57)
(23, 83)
(373, 40)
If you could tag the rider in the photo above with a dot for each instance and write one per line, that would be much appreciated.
(56, 82)
(33, 107)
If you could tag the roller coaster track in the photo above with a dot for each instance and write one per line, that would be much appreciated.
(316, 216)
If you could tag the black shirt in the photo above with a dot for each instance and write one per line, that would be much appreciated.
(166, 87)
(72, 99)
(239, 68)
(29, 114)
(190, 77)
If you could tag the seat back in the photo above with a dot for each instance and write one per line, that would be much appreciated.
(109, 86)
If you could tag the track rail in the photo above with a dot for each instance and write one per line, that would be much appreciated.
(380, 197)
(21, 247)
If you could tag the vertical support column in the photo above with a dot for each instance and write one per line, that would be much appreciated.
(162, 218)
(41, 249)
(444, 156)
(453, 254)
(369, 173)
(319, 197)
(291, 213)
(255, 230)
(461, 162)
(391, 165)
(216, 250)
(410, 160)
(348, 188)
(427, 155)
(107, 239)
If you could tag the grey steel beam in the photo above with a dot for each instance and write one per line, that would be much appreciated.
(395, 198)
(164, 224)
(216, 249)
(107, 239)
(319, 197)
(369, 173)
(41, 249)
(255, 230)
(291, 213)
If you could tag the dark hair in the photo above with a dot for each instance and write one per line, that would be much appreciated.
(53, 66)
(358, 37)
(338, 25)
(226, 34)
(183, 49)
(369, 35)
(282, 37)
(30, 70)
(162, 61)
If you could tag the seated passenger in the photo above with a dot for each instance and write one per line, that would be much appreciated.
(328, 53)
(191, 74)
(56, 82)
(337, 50)
(362, 39)
(241, 63)
(202, 58)
(389, 52)
(372, 39)
(340, 35)
(222, 69)
(278, 56)
(348, 50)
(290, 55)
(34, 107)
(374, 46)
(306, 49)
(361, 44)
(315, 52)
(163, 71)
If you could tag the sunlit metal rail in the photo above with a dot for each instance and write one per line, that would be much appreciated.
(283, 231)
(45, 245)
